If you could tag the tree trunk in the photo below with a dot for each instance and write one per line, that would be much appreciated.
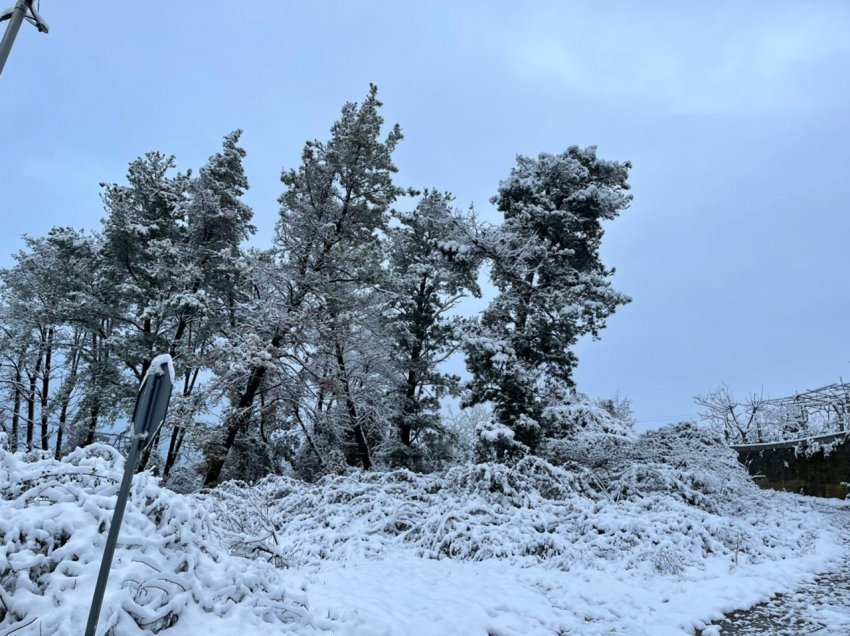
(362, 454)
(309, 437)
(420, 332)
(94, 408)
(63, 414)
(177, 433)
(33, 377)
(16, 409)
(45, 389)
(147, 454)
(65, 397)
(407, 409)
(94, 413)
(237, 420)
(170, 454)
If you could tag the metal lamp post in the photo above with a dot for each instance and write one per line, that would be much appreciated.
(151, 406)
(23, 10)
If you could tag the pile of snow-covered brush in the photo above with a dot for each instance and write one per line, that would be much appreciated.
(666, 500)
(53, 516)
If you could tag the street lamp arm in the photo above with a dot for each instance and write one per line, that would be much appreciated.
(35, 19)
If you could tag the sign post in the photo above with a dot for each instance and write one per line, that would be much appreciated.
(151, 406)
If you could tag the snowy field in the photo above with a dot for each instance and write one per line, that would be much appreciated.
(663, 538)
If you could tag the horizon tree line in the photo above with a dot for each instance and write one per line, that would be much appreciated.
(325, 351)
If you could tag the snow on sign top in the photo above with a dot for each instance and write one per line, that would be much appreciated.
(162, 360)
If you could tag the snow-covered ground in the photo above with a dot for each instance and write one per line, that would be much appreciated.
(664, 540)
(820, 606)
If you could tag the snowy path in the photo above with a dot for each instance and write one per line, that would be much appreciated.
(821, 606)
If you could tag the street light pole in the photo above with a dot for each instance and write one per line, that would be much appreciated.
(23, 10)
(15, 22)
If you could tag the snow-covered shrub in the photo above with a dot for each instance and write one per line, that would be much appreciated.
(53, 523)
(497, 442)
(580, 414)
(463, 426)
(469, 512)
(590, 449)
(224, 553)
(530, 477)
(593, 434)
(685, 461)
(655, 515)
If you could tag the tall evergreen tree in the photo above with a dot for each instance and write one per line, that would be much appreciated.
(214, 281)
(144, 233)
(332, 214)
(553, 287)
(432, 265)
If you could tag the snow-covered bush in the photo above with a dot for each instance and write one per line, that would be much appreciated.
(469, 512)
(53, 524)
(581, 415)
(577, 430)
(497, 442)
(593, 434)
(665, 508)
(685, 461)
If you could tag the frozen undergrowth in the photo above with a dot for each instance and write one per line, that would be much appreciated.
(668, 502)
(53, 520)
(671, 509)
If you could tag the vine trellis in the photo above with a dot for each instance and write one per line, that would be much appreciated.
(811, 413)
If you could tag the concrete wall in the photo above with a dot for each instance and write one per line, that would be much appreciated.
(779, 467)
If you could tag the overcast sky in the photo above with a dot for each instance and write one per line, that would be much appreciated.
(735, 115)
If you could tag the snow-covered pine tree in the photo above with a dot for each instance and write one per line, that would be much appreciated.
(552, 287)
(220, 222)
(145, 262)
(318, 291)
(333, 214)
(432, 265)
(145, 232)
(171, 254)
(215, 279)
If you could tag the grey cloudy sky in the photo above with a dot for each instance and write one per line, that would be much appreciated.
(735, 116)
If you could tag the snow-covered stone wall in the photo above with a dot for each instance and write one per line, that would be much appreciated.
(818, 466)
